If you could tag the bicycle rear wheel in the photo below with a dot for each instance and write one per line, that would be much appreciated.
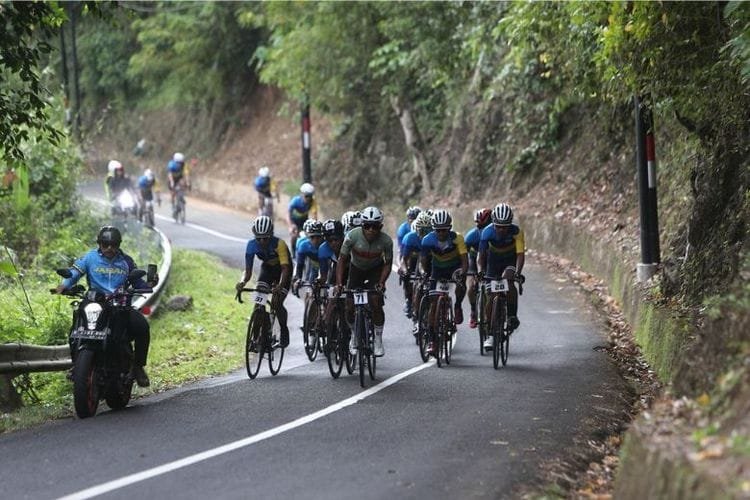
(359, 331)
(448, 332)
(309, 332)
(254, 346)
(423, 334)
(275, 354)
(481, 316)
(336, 352)
(371, 359)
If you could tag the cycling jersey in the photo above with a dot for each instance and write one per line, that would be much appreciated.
(366, 255)
(327, 259)
(501, 251)
(472, 246)
(276, 254)
(103, 274)
(299, 209)
(411, 244)
(144, 183)
(402, 231)
(445, 255)
(175, 168)
(307, 256)
(263, 185)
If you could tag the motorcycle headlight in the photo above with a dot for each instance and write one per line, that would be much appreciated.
(92, 311)
(125, 199)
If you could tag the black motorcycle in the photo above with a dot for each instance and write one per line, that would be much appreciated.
(102, 355)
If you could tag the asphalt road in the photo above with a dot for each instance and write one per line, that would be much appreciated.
(463, 431)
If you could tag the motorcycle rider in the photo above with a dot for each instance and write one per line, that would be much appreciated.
(117, 181)
(106, 269)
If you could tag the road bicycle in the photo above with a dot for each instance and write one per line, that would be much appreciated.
(499, 327)
(364, 331)
(439, 337)
(313, 324)
(482, 324)
(263, 331)
(178, 212)
(337, 349)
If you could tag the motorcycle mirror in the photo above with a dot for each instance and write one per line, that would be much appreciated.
(151, 274)
(64, 272)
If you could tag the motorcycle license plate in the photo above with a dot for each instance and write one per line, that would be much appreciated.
(83, 333)
(444, 286)
(499, 286)
(261, 299)
(360, 298)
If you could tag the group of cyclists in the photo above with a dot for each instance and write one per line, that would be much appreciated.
(356, 253)
(146, 187)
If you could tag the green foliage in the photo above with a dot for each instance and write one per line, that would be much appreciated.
(23, 32)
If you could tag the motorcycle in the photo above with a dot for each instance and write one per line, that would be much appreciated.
(102, 355)
(125, 204)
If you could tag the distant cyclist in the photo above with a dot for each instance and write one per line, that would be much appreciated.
(275, 268)
(411, 248)
(267, 189)
(350, 220)
(443, 256)
(482, 218)
(328, 253)
(501, 255)
(177, 173)
(405, 226)
(307, 262)
(148, 186)
(367, 253)
(301, 207)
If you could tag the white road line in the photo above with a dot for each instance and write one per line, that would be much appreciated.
(221, 450)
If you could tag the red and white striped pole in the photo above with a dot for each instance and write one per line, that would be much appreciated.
(646, 163)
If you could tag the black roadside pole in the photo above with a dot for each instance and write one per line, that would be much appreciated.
(646, 164)
(306, 162)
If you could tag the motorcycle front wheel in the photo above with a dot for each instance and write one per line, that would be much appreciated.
(85, 388)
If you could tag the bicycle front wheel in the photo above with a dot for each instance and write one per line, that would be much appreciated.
(448, 331)
(254, 346)
(371, 359)
(441, 331)
(482, 318)
(359, 331)
(275, 354)
(336, 348)
(309, 332)
(423, 333)
(497, 327)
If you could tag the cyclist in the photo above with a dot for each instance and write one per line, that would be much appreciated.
(405, 226)
(443, 256)
(147, 187)
(482, 218)
(177, 172)
(350, 220)
(106, 269)
(501, 255)
(307, 255)
(328, 253)
(275, 269)
(367, 253)
(301, 207)
(266, 188)
(411, 248)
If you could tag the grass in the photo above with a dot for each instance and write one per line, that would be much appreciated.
(185, 346)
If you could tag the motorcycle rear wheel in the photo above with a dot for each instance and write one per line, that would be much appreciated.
(85, 388)
(119, 392)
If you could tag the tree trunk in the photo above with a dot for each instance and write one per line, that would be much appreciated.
(414, 142)
(9, 399)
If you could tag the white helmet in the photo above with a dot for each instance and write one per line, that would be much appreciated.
(264, 172)
(149, 174)
(179, 158)
(502, 215)
(372, 215)
(441, 219)
(263, 226)
(423, 221)
(307, 189)
(113, 165)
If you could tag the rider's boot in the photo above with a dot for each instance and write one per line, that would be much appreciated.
(378, 349)
(139, 375)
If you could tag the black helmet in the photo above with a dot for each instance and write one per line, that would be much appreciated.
(109, 234)
(333, 229)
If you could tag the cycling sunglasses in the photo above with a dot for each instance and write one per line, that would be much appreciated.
(372, 226)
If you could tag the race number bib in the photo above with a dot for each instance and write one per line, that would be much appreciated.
(444, 286)
(499, 286)
(360, 298)
(261, 299)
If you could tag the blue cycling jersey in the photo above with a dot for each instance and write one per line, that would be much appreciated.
(326, 257)
(175, 167)
(145, 183)
(411, 244)
(299, 209)
(263, 184)
(403, 230)
(307, 254)
(276, 253)
(103, 274)
(501, 251)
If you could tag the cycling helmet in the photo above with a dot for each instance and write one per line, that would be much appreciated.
(502, 215)
(264, 172)
(306, 225)
(482, 216)
(149, 174)
(412, 212)
(315, 228)
(441, 219)
(372, 215)
(109, 234)
(307, 189)
(333, 229)
(178, 158)
(263, 226)
(422, 222)
(345, 218)
(112, 166)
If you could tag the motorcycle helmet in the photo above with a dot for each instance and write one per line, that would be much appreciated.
(263, 226)
(112, 166)
(109, 234)
(502, 215)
